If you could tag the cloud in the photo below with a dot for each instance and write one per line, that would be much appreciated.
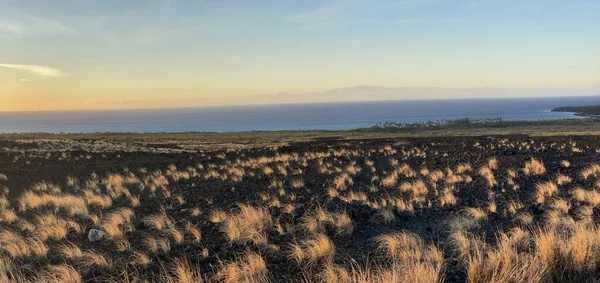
(42, 71)
(24, 80)
(338, 13)
(25, 25)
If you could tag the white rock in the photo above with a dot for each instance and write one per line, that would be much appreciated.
(96, 235)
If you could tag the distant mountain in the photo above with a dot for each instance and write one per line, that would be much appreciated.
(362, 93)
(348, 94)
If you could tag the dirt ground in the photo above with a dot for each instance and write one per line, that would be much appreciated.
(29, 162)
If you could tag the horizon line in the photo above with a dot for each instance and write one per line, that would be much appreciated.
(296, 103)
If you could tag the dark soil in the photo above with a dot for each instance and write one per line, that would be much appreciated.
(24, 169)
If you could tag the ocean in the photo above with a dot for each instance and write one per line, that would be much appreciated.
(309, 116)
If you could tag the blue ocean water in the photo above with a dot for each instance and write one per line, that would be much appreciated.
(313, 116)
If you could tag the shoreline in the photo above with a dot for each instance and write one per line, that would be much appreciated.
(583, 111)
(569, 126)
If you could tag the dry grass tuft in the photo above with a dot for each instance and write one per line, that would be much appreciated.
(60, 274)
(590, 171)
(192, 233)
(250, 267)
(181, 271)
(312, 250)
(249, 225)
(140, 259)
(543, 190)
(562, 179)
(534, 167)
(591, 197)
(320, 220)
(72, 205)
(476, 213)
(408, 259)
(116, 222)
(502, 264)
(157, 221)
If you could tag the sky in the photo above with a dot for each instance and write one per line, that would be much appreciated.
(86, 54)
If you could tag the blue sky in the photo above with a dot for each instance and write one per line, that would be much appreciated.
(156, 50)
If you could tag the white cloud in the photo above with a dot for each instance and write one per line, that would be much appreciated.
(338, 13)
(25, 25)
(42, 71)
(326, 15)
(24, 80)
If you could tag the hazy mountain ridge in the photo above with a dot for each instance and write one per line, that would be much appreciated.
(347, 94)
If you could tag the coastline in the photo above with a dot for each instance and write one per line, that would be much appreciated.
(558, 127)
(585, 111)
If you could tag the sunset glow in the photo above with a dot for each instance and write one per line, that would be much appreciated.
(146, 54)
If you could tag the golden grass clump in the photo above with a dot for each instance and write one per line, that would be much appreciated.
(60, 274)
(436, 175)
(404, 246)
(192, 233)
(195, 211)
(297, 183)
(69, 252)
(518, 256)
(218, 216)
(313, 249)
(8, 215)
(174, 235)
(512, 207)
(488, 174)
(13, 244)
(390, 180)
(83, 260)
(505, 263)
(570, 258)
(395, 271)
(115, 222)
(102, 201)
(591, 197)
(590, 171)
(492, 163)
(409, 260)
(140, 259)
(343, 181)
(120, 243)
(91, 260)
(476, 213)
(319, 220)
(534, 167)
(157, 221)
(250, 267)
(463, 168)
(561, 179)
(49, 226)
(545, 189)
(268, 171)
(416, 188)
(181, 271)
(71, 204)
(384, 215)
(560, 205)
(447, 197)
(249, 225)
